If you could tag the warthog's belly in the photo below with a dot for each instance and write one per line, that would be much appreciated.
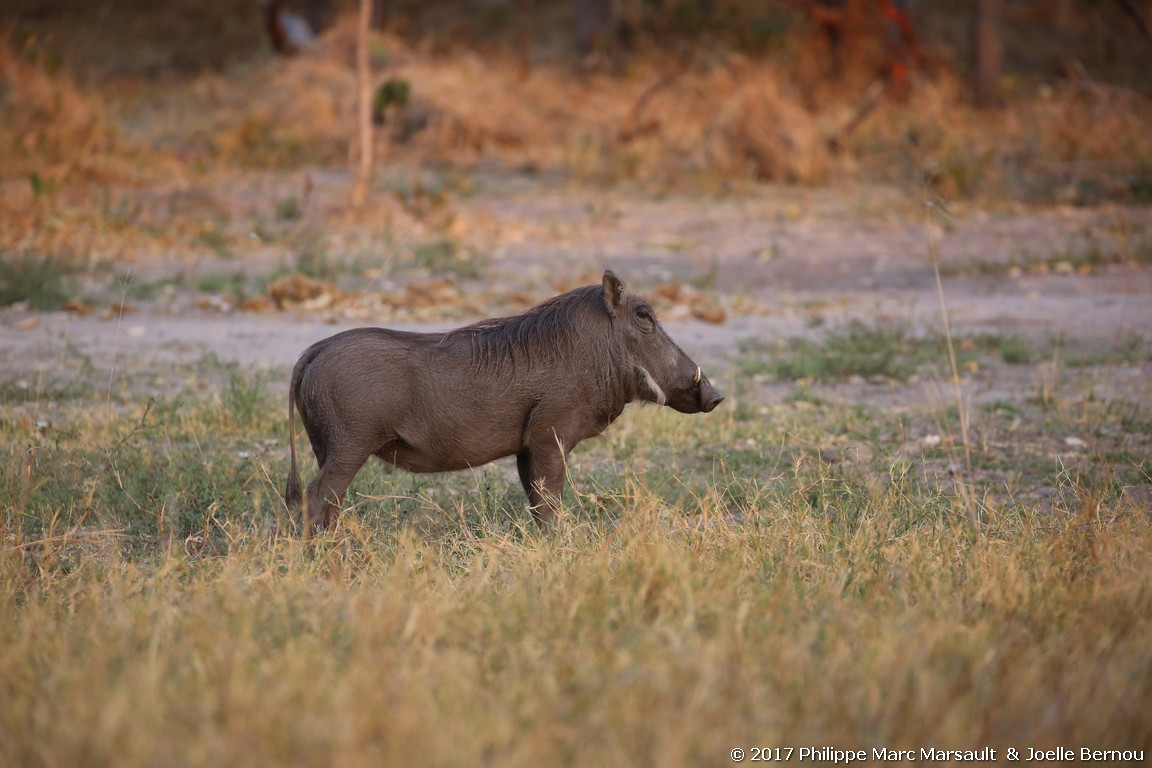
(442, 459)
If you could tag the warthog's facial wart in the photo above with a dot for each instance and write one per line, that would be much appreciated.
(658, 395)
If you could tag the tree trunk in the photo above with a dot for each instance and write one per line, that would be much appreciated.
(363, 171)
(987, 50)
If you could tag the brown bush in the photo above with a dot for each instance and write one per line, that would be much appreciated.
(48, 126)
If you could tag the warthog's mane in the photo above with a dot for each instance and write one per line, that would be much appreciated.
(552, 330)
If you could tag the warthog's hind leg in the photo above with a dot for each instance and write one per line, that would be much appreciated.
(326, 492)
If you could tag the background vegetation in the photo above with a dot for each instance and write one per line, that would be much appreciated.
(174, 128)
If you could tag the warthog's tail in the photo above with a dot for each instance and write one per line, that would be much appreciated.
(292, 494)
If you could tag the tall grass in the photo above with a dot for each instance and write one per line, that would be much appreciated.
(640, 644)
(713, 584)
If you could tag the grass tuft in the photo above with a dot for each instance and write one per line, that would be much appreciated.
(44, 282)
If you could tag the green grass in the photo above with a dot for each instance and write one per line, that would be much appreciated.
(1015, 350)
(880, 350)
(310, 253)
(890, 351)
(45, 282)
(714, 582)
(289, 209)
(232, 283)
(1130, 349)
(443, 256)
(131, 288)
(855, 349)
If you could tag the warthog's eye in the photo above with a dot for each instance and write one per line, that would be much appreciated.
(645, 316)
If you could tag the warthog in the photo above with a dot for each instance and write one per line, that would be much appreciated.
(533, 386)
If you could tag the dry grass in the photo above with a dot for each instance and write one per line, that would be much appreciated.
(158, 609)
(653, 642)
(51, 127)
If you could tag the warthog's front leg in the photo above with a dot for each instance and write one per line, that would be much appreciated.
(542, 468)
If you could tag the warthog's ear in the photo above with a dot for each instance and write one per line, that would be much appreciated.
(613, 292)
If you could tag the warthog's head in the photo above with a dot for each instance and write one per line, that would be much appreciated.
(664, 374)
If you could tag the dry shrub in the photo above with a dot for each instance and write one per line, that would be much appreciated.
(291, 113)
(761, 129)
(483, 108)
(665, 121)
(48, 125)
(649, 126)
(1075, 130)
(303, 110)
(933, 139)
(1084, 121)
(661, 122)
(668, 119)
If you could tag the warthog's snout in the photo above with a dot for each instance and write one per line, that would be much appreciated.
(699, 396)
(709, 399)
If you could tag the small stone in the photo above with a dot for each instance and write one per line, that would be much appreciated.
(257, 304)
(708, 309)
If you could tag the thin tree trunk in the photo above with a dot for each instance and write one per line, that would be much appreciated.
(987, 50)
(363, 106)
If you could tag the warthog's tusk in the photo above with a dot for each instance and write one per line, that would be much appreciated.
(697, 379)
